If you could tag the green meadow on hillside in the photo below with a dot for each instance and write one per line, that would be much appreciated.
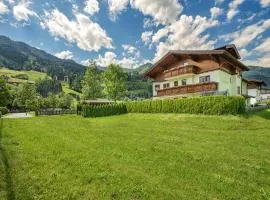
(136, 156)
(33, 75)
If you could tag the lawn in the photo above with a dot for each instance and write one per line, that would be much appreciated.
(137, 156)
(33, 75)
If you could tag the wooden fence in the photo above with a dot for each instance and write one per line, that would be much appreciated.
(56, 112)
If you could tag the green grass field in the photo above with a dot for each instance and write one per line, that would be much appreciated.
(137, 156)
(33, 75)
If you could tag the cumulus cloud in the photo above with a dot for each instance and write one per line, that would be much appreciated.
(264, 47)
(64, 55)
(191, 35)
(163, 11)
(265, 3)
(3, 8)
(160, 34)
(146, 36)
(244, 37)
(215, 12)
(233, 8)
(22, 12)
(91, 6)
(263, 61)
(82, 31)
(116, 7)
(111, 58)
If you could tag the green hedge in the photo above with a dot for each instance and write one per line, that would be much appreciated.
(3, 110)
(210, 105)
(103, 110)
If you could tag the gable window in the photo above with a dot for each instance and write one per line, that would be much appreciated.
(166, 85)
(184, 82)
(175, 83)
(157, 87)
(204, 79)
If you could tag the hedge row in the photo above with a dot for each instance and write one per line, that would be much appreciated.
(211, 105)
(103, 110)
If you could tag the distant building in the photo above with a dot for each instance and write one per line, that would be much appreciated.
(199, 72)
(256, 91)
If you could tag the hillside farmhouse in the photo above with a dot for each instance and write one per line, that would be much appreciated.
(199, 72)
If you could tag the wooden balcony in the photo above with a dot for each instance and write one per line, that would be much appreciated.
(190, 69)
(188, 89)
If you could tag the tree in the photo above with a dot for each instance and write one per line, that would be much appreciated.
(114, 82)
(26, 95)
(4, 92)
(91, 82)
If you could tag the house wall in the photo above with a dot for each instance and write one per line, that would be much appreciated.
(226, 82)
(255, 93)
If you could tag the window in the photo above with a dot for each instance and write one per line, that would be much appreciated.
(157, 87)
(184, 82)
(238, 90)
(175, 83)
(166, 85)
(204, 79)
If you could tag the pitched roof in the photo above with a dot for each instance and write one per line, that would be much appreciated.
(222, 52)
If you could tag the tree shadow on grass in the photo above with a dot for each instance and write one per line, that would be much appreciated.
(265, 114)
(7, 172)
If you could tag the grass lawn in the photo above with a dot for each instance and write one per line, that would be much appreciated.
(137, 156)
(67, 90)
(33, 75)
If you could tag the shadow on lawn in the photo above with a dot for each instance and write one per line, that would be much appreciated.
(263, 114)
(4, 160)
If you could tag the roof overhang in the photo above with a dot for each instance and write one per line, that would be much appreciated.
(171, 56)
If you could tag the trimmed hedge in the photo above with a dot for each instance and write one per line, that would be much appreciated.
(103, 110)
(3, 110)
(210, 105)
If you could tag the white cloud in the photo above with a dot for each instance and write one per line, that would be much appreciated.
(215, 12)
(116, 7)
(217, 2)
(130, 51)
(22, 12)
(163, 11)
(86, 34)
(263, 61)
(148, 23)
(233, 8)
(191, 35)
(3, 8)
(64, 55)
(264, 47)
(244, 37)
(91, 6)
(146, 36)
(111, 58)
(108, 58)
(160, 34)
(265, 3)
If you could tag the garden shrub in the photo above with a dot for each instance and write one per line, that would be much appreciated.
(3, 110)
(103, 110)
(210, 105)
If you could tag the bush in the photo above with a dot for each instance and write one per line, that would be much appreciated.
(21, 76)
(210, 105)
(103, 110)
(3, 110)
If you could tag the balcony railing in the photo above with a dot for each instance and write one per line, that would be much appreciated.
(190, 69)
(196, 88)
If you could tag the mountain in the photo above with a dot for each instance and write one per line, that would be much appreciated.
(258, 73)
(20, 56)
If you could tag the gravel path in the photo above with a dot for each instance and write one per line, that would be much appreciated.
(18, 115)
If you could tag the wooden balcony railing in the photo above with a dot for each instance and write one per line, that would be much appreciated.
(190, 69)
(196, 88)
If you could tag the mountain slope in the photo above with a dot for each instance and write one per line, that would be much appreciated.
(258, 73)
(20, 56)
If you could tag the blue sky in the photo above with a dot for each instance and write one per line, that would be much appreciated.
(133, 32)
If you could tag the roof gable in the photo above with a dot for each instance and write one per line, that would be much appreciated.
(231, 48)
